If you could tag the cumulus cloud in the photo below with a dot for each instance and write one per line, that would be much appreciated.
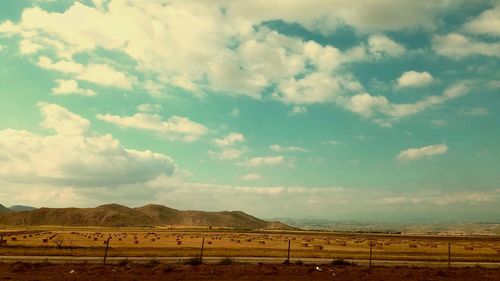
(382, 45)
(457, 46)
(474, 111)
(421, 152)
(74, 156)
(243, 58)
(175, 128)
(263, 161)
(230, 139)
(226, 154)
(414, 79)
(100, 74)
(251, 177)
(486, 23)
(70, 87)
(279, 148)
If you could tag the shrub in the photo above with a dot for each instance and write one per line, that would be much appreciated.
(226, 261)
(193, 261)
(123, 262)
(153, 263)
(341, 262)
(299, 262)
(168, 268)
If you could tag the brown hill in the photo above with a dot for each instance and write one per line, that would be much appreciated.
(4, 209)
(149, 215)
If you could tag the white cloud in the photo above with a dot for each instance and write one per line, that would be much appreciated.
(366, 104)
(63, 121)
(99, 74)
(426, 151)
(279, 148)
(226, 154)
(458, 46)
(242, 58)
(263, 161)
(465, 197)
(70, 87)
(251, 177)
(314, 88)
(149, 107)
(439, 123)
(474, 111)
(326, 16)
(230, 139)
(298, 110)
(73, 156)
(486, 23)
(415, 79)
(27, 47)
(234, 112)
(175, 128)
(381, 45)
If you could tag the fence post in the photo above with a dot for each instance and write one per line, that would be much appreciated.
(1, 240)
(371, 247)
(449, 255)
(106, 252)
(288, 256)
(202, 246)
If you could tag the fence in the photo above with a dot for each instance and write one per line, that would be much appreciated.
(274, 246)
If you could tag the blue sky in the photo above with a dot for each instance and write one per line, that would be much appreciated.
(366, 110)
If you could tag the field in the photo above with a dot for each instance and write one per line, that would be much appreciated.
(157, 242)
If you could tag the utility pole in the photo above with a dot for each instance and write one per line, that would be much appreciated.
(202, 246)
(449, 255)
(106, 252)
(288, 256)
(371, 247)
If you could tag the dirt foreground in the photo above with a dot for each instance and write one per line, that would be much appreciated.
(158, 271)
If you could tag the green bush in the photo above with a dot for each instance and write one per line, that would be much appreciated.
(341, 262)
(193, 261)
(153, 263)
(123, 262)
(226, 261)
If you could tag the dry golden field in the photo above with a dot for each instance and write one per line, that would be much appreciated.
(159, 242)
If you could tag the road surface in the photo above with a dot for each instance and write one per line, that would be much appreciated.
(251, 260)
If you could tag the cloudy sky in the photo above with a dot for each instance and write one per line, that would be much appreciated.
(365, 110)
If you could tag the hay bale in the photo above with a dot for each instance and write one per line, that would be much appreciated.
(318, 247)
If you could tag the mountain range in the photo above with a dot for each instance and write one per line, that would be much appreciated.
(149, 215)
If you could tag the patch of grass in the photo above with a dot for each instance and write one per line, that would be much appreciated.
(226, 261)
(342, 262)
(168, 268)
(152, 263)
(193, 261)
(124, 262)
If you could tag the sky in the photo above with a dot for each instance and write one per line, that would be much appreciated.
(381, 110)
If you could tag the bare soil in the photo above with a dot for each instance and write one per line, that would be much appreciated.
(157, 271)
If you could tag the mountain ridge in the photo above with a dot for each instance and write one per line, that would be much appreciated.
(110, 215)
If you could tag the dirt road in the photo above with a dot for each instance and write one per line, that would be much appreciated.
(159, 271)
